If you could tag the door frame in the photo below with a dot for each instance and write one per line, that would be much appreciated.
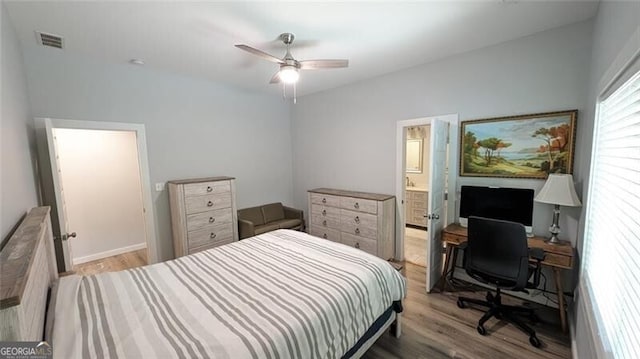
(143, 162)
(452, 164)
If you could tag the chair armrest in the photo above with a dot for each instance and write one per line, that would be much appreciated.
(537, 254)
(246, 229)
(292, 213)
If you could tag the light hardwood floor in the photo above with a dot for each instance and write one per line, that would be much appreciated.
(114, 263)
(434, 327)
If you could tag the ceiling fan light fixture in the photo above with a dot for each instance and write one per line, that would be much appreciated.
(289, 74)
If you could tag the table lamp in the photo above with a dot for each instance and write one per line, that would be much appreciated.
(558, 191)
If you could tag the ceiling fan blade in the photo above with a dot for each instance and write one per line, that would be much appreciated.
(259, 53)
(276, 78)
(323, 64)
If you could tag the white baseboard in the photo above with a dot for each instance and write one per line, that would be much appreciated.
(109, 253)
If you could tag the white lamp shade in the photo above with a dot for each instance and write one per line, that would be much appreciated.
(289, 74)
(559, 190)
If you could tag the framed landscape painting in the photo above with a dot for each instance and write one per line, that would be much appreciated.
(527, 146)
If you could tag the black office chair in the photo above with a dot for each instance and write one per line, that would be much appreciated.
(497, 253)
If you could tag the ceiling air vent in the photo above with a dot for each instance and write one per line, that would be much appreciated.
(50, 40)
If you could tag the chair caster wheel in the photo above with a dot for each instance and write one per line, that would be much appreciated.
(460, 304)
(535, 341)
(483, 331)
(489, 297)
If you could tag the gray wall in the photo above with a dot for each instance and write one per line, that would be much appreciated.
(19, 189)
(346, 138)
(613, 26)
(194, 127)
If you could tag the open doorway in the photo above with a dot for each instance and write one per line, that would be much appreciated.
(418, 231)
(102, 193)
(416, 194)
(95, 176)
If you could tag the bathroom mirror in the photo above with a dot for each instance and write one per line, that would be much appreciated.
(414, 156)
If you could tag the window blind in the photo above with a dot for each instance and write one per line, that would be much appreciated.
(612, 228)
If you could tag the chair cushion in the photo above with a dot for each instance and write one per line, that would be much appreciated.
(288, 223)
(253, 214)
(272, 212)
(266, 228)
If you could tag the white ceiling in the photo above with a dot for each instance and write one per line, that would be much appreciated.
(197, 38)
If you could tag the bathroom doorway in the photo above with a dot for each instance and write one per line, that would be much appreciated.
(416, 194)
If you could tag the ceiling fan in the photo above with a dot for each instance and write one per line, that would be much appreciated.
(289, 66)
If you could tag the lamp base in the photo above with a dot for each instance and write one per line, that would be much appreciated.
(554, 240)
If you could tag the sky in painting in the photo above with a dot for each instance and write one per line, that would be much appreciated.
(517, 132)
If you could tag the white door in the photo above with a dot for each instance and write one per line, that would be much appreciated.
(53, 193)
(436, 207)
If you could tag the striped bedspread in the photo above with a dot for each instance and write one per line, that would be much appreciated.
(283, 294)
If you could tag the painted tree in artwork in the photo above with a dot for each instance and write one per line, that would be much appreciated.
(490, 145)
(502, 145)
(470, 144)
(556, 140)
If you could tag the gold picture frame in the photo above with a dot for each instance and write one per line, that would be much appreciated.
(524, 146)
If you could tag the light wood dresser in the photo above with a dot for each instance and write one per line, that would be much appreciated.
(203, 213)
(359, 219)
(416, 207)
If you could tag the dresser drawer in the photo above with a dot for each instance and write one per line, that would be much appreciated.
(326, 233)
(208, 219)
(213, 234)
(359, 204)
(325, 211)
(325, 199)
(359, 230)
(209, 246)
(358, 219)
(207, 203)
(368, 245)
(202, 188)
(325, 221)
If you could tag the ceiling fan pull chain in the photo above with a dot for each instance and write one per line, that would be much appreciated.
(295, 99)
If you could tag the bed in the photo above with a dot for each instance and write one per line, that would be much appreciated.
(282, 294)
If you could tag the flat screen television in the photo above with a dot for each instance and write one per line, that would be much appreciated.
(509, 204)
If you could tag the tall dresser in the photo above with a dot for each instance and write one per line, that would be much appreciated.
(359, 219)
(203, 213)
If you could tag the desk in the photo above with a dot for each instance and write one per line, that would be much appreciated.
(557, 256)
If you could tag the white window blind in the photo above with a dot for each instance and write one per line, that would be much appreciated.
(612, 228)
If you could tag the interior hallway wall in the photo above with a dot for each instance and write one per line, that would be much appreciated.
(100, 177)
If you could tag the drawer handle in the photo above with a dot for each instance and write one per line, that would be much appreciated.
(209, 204)
(324, 236)
(356, 206)
(211, 219)
(209, 188)
(357, 219)
(324, 200)
(357, 244)
(357, 230)
(324, 212)
(324, 223)
(212, 235)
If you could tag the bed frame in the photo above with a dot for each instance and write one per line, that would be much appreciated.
(27, 271)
